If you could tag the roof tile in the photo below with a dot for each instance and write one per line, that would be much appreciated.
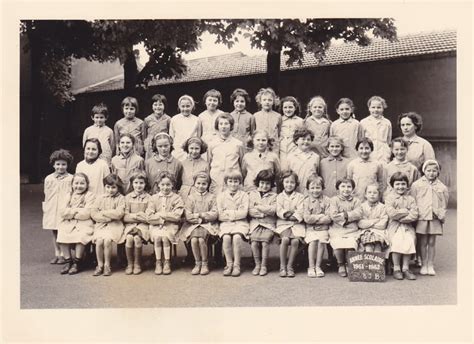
(238, 64)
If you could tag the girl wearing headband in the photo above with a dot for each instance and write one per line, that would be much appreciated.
(431, 197)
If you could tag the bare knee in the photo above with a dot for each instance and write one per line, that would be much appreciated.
(166, 242)
(129, 240)
(285, 241)
(138, 241)
(294, 243)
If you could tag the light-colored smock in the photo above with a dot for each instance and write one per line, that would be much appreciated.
(287, 146)
(271, 122)
(105, 135)
(292, 202)
(224, 154)
(304, 164)
(363, 173)
(79, 229)
(379, 130)
(154, 125)
(126, 165)
(344, 233)
(205, 205)
(350, 131)
(320, 128)
(233, 209)
(332, 169)
(182, 128)
(96, 172)
(111, 208)
(135, 127)
(401, 232)
(164, 215)
(136, 203)
(57, 190)
(254, 162)
(317, 217)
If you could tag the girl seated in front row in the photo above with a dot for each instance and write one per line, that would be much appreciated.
(108, 212)
(200, 212)
(373, 224)
(402, 212)
(317, 218)
(136, 223)
(345, 213)
(262, 204)
(232, 207)
(164, 214)
(289, 210)
(76, 226)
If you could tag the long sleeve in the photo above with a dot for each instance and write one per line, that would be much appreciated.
(441, 211)
(335, 212)
(171, 130)
(356, 213)
(118, 212)
(116, 137)
(111, 140)
(279, 207)
(252, 125)
(85, 136)
(85, 213)
(412, 211)
(176, 212)
(211, 215)
(389, 134)
(244, 166)
(299, 209)
(270, 208)
(243, 209)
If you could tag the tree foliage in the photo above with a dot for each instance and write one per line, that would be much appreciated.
(295, 37)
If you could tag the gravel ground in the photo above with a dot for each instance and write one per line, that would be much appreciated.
(42, 286)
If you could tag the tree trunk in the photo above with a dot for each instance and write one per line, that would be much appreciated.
(273, 70)
(130, 72)
(38, 110)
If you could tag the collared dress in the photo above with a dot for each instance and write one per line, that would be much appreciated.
(105, 135)
(290, 228)
(379, 130)
(365, 172)
(182, 128)
(271, 122)
(254, 162)
(113, 207)
(344, 233)
(157, 164)
(404, 167)
(208, 122)
(401, 232)
(373, 223)
(419, 150)
(191, 167)
(224, 154)
(126, 165)
(135, 127)
(164, 215)
(304, 164)
(233, 209)
(262, 228)
(136, 203)
(287, 146)
(350, 131)
(317, 217)
(432, 201)
(80, 229)
(96, 172)
(57, 190)
(320, 127)
(332, 169)
(244, 126)
(199, 203)
(153, 126)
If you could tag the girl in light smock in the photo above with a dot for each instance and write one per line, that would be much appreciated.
(431, 197)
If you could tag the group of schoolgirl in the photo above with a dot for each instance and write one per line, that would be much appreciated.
(214, 175)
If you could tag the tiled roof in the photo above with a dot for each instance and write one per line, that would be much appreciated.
(237, 64)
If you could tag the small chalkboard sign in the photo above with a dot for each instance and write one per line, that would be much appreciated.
(365, 266)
